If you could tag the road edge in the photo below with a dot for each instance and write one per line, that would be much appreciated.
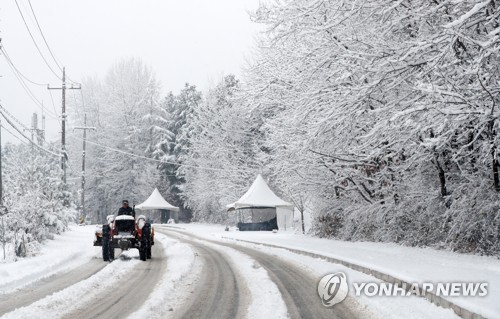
(433, 298)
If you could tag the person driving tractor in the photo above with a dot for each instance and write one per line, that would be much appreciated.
(126, 209)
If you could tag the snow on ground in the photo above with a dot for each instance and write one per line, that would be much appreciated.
(67, 251)
(379, 307)
(183, 270)
(63, 302)
(170, 291)
(265, 295)
(407, 263)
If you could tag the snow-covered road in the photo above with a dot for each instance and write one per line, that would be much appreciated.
(188, 276)
(282, 288)
(46, 286)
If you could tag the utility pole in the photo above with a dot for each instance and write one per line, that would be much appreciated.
(42, 132)
(63, 88)
(34, 129)
(84, 128)
(3, 211)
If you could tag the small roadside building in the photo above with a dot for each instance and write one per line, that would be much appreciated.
(260, 209)
(160, 207)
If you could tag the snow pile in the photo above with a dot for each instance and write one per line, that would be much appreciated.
(76, 296)
(182, 271)
(369, 307)
(265, 294)
(407, 263)
(65, 252)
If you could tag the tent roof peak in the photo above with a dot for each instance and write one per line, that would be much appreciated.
(259, 195)
(156, 201)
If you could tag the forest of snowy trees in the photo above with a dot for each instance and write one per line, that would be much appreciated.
(376, 118)
(37, 202)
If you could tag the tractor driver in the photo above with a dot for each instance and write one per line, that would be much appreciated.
(125, 209)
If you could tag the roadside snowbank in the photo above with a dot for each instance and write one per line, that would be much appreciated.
(67, 300)
(169, 292)
(65, 252)
(407, 263)
(370, 307)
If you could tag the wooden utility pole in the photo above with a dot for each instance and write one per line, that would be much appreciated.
(84, 128)
(2, 208)
(63, 88)
(34, 130)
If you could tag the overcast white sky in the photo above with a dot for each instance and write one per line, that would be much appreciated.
(193, 41)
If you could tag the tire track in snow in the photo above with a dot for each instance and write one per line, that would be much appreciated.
(218, 292)
(78, 299)
(48, 286)
(127, 294)
(297, 287)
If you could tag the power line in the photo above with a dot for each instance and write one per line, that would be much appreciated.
(5, 111)
(13, 135)
(13, 117)
(152, 159)
(34, 42)
(22, 134)
(25, 86)
(43, 36)
(9, 60)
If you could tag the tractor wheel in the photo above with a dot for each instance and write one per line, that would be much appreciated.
(105, 249)
(146, 232)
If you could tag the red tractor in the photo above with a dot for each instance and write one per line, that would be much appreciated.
(125, 232)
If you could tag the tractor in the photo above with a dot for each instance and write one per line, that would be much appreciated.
(125, 232)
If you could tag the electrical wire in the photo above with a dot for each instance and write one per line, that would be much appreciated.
(5, 111)
(58, 64)
(27, 89)
(12, 117)
(23, 135)
(46, 43)
(13, 135)
(34, 42)
(9, 60)
(43, 36)
(152, 159)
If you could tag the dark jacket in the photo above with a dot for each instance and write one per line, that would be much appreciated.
(126, 211)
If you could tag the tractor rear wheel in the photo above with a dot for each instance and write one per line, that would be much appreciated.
(105, 243)
(105, 249)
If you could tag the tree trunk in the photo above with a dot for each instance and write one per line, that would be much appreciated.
(495, 170)
(442, 177)
(302, 220)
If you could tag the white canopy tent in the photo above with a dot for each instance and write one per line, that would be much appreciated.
(260, 195)
(156, 201)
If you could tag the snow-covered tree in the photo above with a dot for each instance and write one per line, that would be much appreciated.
(121, 108)
(38, 204)
(384, 113)
(173, 142)
(222, 159)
